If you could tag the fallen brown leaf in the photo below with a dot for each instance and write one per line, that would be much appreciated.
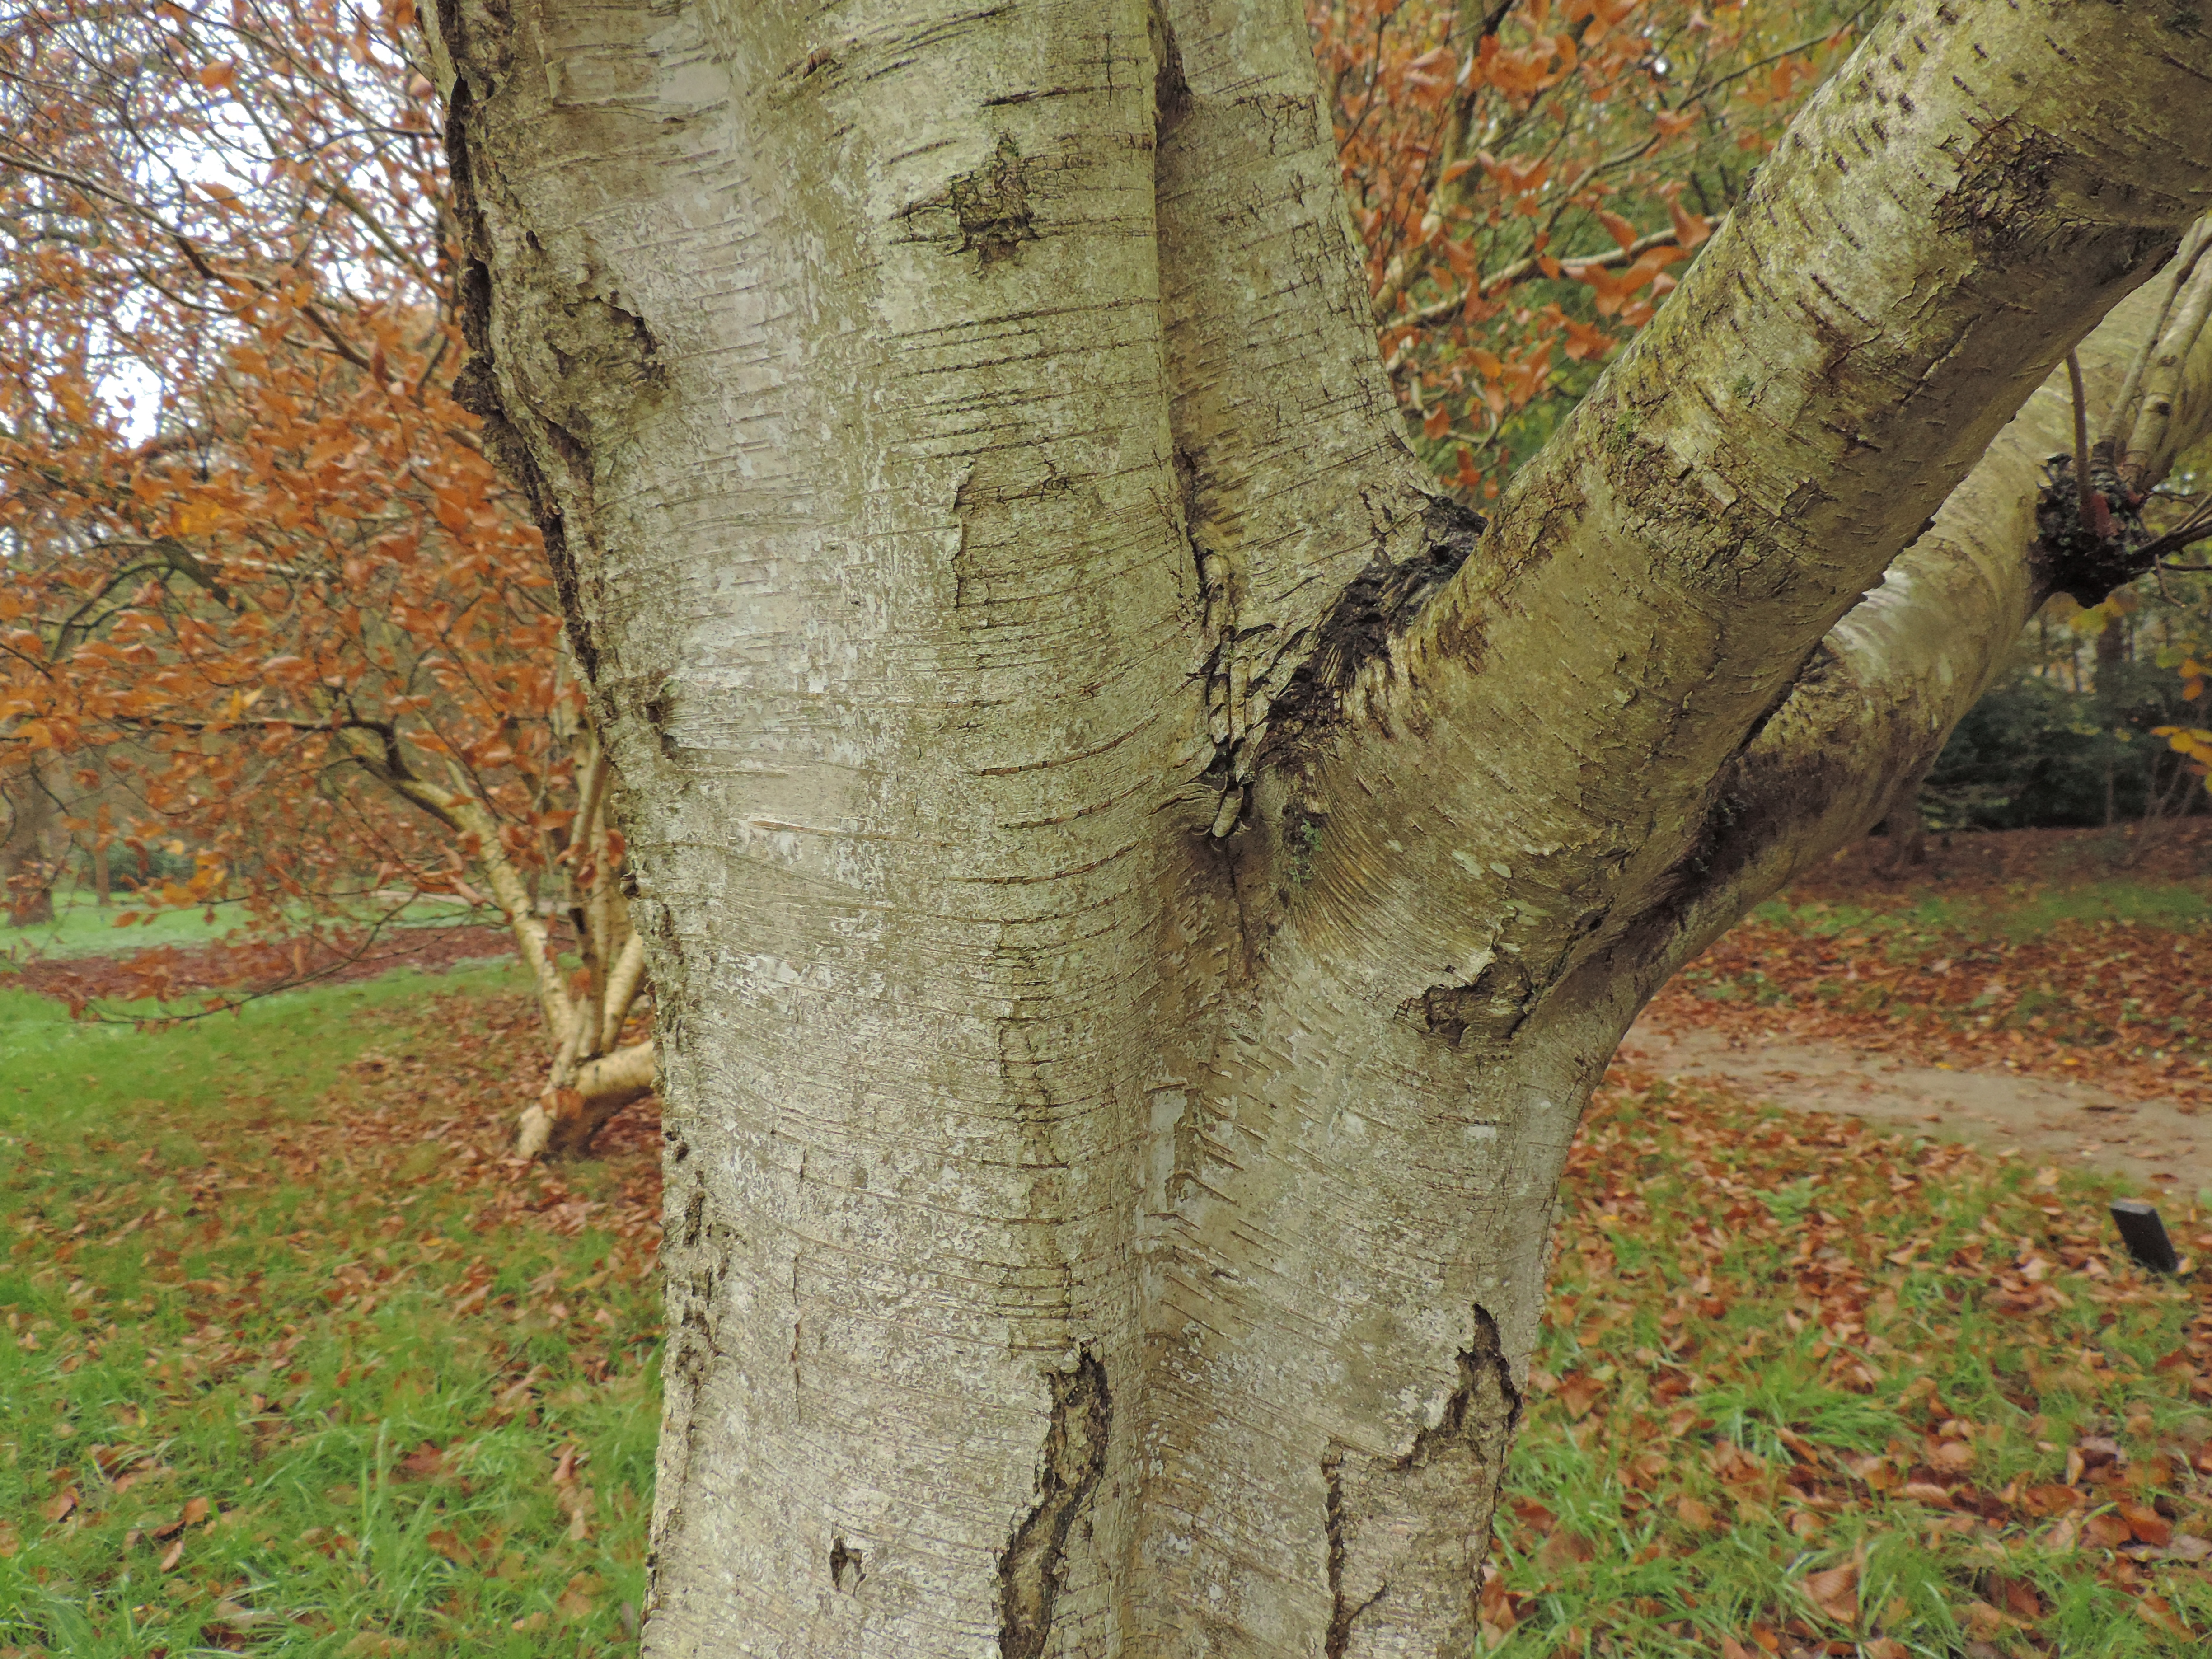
(1579, 1392)
(2149, 1526)
(1564, 1547)
(2108, 1529)
(1691, 1513)
(1836, 1592)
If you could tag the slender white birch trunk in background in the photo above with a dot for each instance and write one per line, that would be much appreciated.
(1138, 887)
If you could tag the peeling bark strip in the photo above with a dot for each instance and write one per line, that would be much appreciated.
(1074, 1459)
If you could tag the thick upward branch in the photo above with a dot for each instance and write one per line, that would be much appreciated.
(1939, 227)
(1903, 667)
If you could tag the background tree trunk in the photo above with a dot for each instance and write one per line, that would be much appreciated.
(1139, 886)
(26, 864)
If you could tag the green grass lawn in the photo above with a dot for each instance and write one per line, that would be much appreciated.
(294, 1361)
(283, 1370)
(2025, 913)
(1808, 1389)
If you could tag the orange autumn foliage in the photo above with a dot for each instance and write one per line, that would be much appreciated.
(1523, 172)
(260, 568)
(267, 604)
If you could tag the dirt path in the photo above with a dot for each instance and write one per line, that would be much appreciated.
(2152, 1142)
(257, 966)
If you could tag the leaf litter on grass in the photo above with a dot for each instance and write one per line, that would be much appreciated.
(1802, 1389)
(2017, 952)
(1806, 1389)
(342, 1379)
(169, 972)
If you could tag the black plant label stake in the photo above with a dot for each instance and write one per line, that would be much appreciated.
(2144, 1234)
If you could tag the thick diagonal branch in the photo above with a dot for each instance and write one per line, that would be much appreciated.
(1900, 671)
(1932, 236)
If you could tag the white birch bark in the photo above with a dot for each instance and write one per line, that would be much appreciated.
(1134, 930)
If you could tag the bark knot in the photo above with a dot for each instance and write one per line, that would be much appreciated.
(993, 206)
(1491, 1005)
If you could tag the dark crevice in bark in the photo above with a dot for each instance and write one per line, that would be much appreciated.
(1341, 1612)
(1171, 90)
(695, 1215)
(847, 1565)
(694, 1262)
(1074, 1459)
(1483, 1371)
(1378, 1505)
(1377, 607)
(591, 342)
(475, 387)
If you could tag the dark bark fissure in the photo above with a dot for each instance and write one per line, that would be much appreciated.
(1341, 1612)
(1217, 594)
(847, 1565)
(1484, 1372)
(1171, 90)
(1375, 607)
(1476, 1424)
(475, 388)
(592, 341)
(695, 1259)
(1074, 1459)
(989, 207)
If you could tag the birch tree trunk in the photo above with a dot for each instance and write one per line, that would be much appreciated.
(1138, 885)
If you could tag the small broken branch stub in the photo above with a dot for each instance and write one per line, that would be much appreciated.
(2089, 541)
